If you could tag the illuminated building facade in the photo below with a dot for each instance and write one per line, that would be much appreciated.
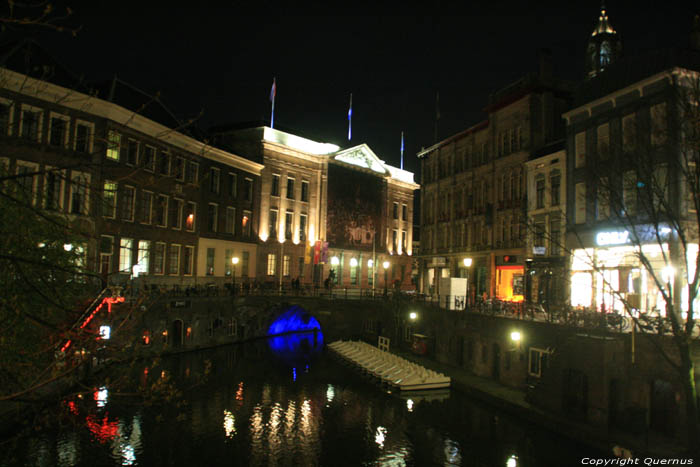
(327, 209)
(626, 182)
(473, 196)
(153, 205)
(545, 280)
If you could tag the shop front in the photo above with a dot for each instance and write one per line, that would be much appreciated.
(610, 274)
(510, 278)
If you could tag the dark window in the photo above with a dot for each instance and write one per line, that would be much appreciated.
(149, 158)
(290, 188)
(275, 188)
(164, 165)
(214, 180)
(58, 132)
(5, 118)
(233, 185)
(30, 125)
(179, 169)
(82, 138)
(556, 190)
(305, 191)
(132, 152)
(248, 189)
(540, 193)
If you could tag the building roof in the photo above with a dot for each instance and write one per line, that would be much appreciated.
(630, 70)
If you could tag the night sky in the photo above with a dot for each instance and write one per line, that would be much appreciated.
(221, 61)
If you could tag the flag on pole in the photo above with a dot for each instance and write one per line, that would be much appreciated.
(350, 119)
(402, 150)
(273, 94)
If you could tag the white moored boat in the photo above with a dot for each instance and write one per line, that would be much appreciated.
(389, 368)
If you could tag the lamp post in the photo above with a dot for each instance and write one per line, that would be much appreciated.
(386, 275)
(467, 264)
(234, 262)
(370, 267)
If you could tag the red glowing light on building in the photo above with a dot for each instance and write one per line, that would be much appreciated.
(107, 300)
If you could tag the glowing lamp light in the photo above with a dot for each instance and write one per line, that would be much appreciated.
(370, 263)
(385, 264)
(467, 262)
(335, 261)
(105, 332)
(512, 461)
(409, 405)
(515, 336)
(413, 315)
(68, 247)
(234, 260)
(353, 262)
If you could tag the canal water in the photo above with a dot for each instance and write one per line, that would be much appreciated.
(279, 402)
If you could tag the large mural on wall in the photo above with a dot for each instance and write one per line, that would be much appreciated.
(354, 207)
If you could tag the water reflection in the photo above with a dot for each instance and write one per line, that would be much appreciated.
(253, 412)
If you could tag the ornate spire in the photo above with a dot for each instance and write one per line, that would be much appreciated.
(603, 25)
(604, 46)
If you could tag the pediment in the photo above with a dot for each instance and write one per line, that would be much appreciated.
(361, 156)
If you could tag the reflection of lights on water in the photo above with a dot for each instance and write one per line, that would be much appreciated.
(380, 436)
(306, 417)
(330, 393)
(229, 424)
(294, 374)
(512, 461)
(256, 422)
(128, 455)
(101, 396)
(275, 418)
(409, 405)
(239, 392)
(290, 415)
(452, 453)
(307, 368)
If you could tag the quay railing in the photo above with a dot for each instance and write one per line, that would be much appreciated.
(562, 315)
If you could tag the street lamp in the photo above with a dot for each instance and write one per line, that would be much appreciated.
(234, 261)
(386, 275)
(467, 264)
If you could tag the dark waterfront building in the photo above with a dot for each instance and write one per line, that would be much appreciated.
(149, 201)
(473, 203)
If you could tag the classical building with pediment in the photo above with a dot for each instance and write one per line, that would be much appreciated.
(328, 212)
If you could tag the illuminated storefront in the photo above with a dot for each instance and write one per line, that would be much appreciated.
(510, 278)
(611, 273)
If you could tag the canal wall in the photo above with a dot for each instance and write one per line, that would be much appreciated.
(609, 381)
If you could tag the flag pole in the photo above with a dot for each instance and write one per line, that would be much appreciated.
(402, 150)
(350, 119)
(437, 113)
(273, 94)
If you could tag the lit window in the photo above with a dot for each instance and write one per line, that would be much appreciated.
(109, 199)
(113, 144)
(125, 247)
(271, 264)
